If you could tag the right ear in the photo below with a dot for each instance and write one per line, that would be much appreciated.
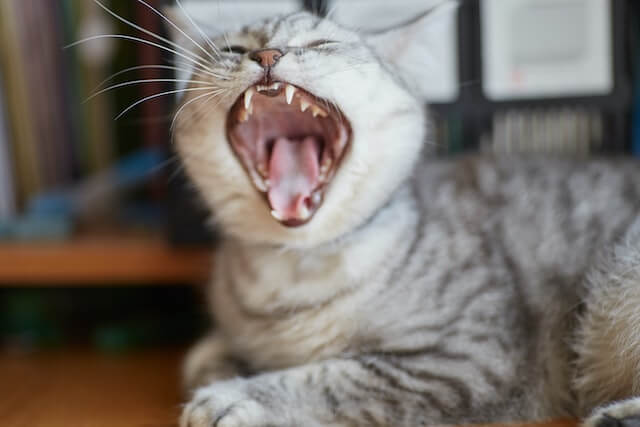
(417, 47)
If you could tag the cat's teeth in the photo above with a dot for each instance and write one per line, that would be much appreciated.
(317, 111)
(304, 213)
(326, 164)
(289, 91)
(260, 184)
(276, 215)
(244, 115)
(263, 88)
(247, 97)
(316, 198)
(304, 105)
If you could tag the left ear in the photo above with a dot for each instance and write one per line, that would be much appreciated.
(419, 48)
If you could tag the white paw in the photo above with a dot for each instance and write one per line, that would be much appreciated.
(625, 413)
(224, 404)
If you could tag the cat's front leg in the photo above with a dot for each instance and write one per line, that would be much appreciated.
(209, 361)
(625, 413)
(338, 392)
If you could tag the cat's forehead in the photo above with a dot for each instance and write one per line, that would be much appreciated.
(284, 28)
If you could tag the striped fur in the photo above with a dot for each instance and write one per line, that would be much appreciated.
(424, 291)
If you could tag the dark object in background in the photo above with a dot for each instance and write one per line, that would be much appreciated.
(112, 320)
(186, 213)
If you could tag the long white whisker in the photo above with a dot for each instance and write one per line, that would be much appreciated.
(138, 39)
(175, 117)
(139, 67)
(160, 14)
(151, 33)
(224, 96)
(157, 95)
(133, 82)
(197, 27)
(192, 67)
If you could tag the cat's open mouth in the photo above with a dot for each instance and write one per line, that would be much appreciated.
(290, 143)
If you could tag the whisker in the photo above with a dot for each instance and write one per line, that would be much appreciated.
(157, 95)
(133, 82)
(138, 39)
(139, 67)
(204, 104)
(197, 27)
(151, 33)
(175, 117)
(192, 67)
(183, 32)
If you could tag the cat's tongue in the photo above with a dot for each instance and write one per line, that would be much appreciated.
(293, 175)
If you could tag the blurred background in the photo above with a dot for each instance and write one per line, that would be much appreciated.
(103, 243)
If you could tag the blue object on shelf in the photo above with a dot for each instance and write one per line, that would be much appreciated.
(50, 215)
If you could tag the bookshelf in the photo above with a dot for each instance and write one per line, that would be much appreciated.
(103, 260)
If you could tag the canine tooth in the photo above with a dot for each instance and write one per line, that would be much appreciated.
(304, 213)
(247, 97)
(289, 91)
(276, 215)
(316, 197)
(262, 186)
(304, 105)
(317, 111)
(244, 115)
(326, 164)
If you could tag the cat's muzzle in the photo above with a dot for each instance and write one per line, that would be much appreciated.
(290, 143)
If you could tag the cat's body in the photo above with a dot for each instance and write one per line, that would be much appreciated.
(464, 290)
(383, 290)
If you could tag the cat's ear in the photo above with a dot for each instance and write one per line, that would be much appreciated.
(418, 49)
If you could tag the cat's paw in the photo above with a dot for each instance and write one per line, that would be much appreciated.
(625, 413)
(225, 404)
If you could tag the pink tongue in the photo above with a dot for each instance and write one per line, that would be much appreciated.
(293, 174)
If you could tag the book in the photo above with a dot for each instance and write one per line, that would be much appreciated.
(7, 196)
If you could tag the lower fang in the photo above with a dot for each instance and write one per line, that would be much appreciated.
(276, 215)
(316, 111)
(316, 197)
(244, 115)
(304, 213)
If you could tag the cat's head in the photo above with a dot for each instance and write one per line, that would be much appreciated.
(295, 129)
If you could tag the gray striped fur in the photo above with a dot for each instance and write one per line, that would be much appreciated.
(476, 289)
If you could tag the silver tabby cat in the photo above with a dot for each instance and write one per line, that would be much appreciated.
(363, 282)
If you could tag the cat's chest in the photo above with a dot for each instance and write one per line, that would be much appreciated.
(280, 310)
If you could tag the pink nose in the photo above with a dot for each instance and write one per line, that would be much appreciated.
(267, 58)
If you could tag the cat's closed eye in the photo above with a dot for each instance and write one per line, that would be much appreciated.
(320, 43)
(237, 49)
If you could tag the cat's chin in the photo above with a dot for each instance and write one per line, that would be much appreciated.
(290, 143)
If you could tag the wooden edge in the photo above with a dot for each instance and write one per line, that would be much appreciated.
(108, 261)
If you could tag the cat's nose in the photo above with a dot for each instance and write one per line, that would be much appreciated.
(267, 58)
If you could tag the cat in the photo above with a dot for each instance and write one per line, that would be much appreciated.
(361, 280)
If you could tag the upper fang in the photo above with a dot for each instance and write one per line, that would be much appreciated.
(247, 97)
(289, 91)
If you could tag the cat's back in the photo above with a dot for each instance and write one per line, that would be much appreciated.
(548, 217)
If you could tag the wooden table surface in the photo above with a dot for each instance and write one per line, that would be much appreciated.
(85, 389)
(80, 388)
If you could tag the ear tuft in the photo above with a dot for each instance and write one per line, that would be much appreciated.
(423, 49)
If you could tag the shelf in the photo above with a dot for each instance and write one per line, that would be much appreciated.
(102, 260)
(84, 388)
